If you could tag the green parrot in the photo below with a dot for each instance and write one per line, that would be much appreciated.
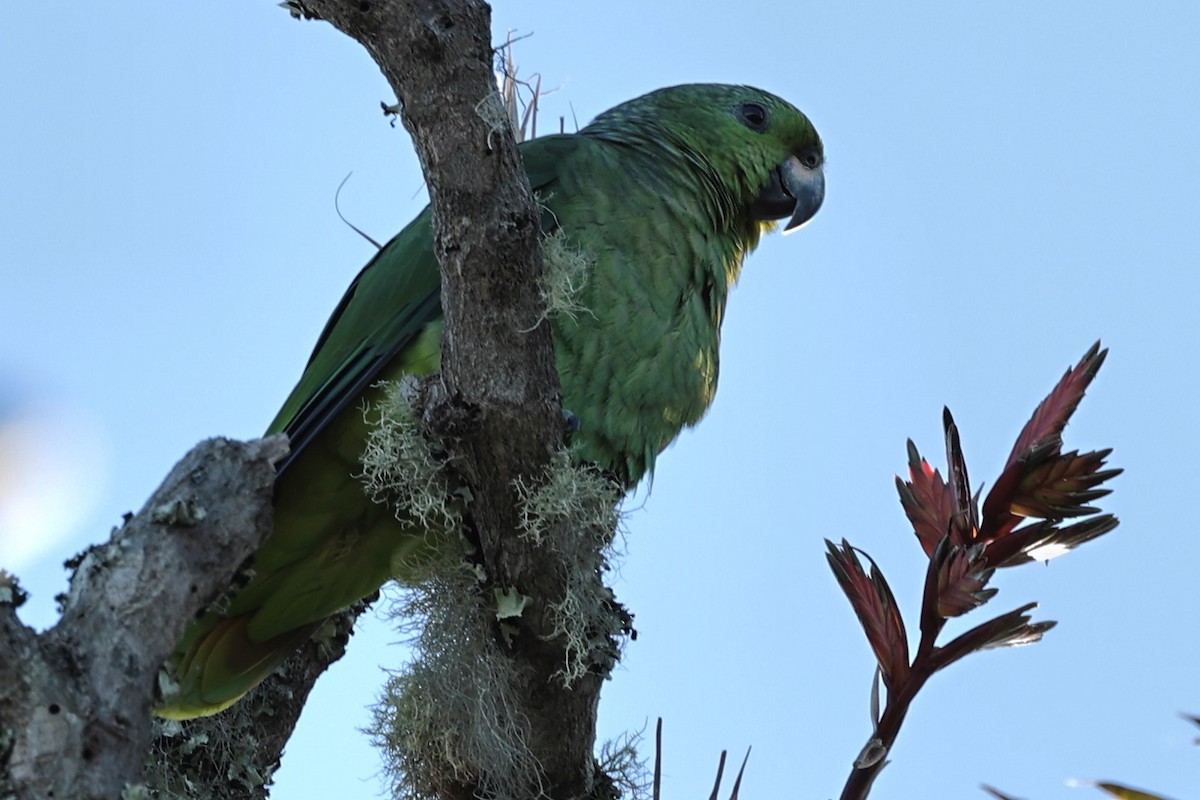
(664, 195)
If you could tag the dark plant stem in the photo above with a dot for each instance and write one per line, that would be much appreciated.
(874, 755)
(865, 770)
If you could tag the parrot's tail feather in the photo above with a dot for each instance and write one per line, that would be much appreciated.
(219, 665)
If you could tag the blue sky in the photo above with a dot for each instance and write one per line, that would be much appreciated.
(1007, 182)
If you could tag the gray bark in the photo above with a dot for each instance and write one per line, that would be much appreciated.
(75, 701)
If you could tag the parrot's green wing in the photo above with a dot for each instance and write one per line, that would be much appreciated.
(391, 301)
(332, 545)
(393, 298)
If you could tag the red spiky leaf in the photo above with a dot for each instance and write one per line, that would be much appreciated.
(1040, 482)
(1059, 487)
(1007, 630)
(1045, 486)
(877, 611)
(932, 621)
(998, 517)
(1051, 415)
(1062, 487)
(927, 500)
(965, 517)
(1043, 541)
(962, 576)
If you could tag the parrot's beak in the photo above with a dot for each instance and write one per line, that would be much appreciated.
(807, 185)
(795, 191)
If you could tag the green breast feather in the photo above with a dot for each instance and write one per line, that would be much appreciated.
(661, 197)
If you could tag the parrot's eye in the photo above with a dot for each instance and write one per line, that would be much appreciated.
(810, 159)
(753, 116)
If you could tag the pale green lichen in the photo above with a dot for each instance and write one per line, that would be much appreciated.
(624, 767)
(137, 791)
(400, 466)
(449, 717)
(509, 603)
(182, 512)
(567, 269)
(452, 716)
(491, 109)
(574, 512)
(213, 757)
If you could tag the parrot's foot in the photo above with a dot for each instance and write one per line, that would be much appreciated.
(570, 423)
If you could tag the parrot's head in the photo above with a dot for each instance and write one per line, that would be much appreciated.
(760, 155)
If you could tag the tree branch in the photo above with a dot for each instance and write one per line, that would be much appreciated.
(232, 755)
(497, 407)
(75, 701)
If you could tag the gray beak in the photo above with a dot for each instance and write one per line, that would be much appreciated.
(794, 191)
(806, 186)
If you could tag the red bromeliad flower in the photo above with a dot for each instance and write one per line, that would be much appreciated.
(1039, 482)
(1023, 519)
